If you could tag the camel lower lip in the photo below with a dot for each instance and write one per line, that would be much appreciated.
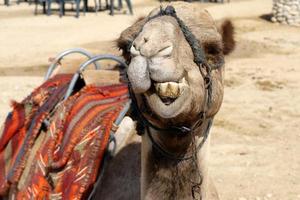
(171, 109)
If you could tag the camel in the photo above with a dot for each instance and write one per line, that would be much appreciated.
(170, 92)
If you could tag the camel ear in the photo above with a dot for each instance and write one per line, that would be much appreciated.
(226, 30)
(128, 35)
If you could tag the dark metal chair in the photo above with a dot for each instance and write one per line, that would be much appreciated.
(120, 6)
(62, 6)
(98, 5)
(111, 5)
(45, 4)
(48, 3)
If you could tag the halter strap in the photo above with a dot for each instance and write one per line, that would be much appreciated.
(170, 155)
(200, 61)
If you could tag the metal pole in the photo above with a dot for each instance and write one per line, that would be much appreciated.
(60, 56)
(87, 63)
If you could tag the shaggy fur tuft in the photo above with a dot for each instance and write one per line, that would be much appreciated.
(227, 32)
(125, 40)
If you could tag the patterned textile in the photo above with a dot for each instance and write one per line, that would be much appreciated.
(64, 159)
(22, 126)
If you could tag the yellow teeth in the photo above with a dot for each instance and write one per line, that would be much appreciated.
(170, 89)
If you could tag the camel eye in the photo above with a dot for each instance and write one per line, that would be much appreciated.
(167, 51)
(134, 51)
(213, 48)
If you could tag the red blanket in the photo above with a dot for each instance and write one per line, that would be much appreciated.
(60, 161)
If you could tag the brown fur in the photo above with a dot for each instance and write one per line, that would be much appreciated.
(173, 180)
(163, 178)
(227, 32)
(127, 36)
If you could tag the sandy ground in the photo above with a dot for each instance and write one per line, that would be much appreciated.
(255, 151)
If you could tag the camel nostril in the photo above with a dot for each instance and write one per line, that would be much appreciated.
(134, 45)
(134, 51)
(146, 39)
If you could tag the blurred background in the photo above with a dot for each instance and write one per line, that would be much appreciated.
(255, 152)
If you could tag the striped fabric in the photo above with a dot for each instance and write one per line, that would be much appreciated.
(63, 160)
(22, 126)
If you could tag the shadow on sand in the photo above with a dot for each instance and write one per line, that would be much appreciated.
(121, 179)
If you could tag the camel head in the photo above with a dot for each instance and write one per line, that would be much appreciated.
(162, 71)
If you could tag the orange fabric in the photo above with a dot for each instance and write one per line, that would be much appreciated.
(22, 123)
(67, 161)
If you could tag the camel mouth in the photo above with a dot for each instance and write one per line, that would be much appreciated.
(169, 99)
(169, 92)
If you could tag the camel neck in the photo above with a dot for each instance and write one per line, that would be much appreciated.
(165, 178)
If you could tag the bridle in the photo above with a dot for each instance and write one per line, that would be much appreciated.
(205, 70)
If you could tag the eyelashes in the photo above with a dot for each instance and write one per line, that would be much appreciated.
(165, 52)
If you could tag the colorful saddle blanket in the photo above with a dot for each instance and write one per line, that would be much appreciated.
(60, 159)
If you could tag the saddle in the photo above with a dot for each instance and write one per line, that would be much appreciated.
(53, 143)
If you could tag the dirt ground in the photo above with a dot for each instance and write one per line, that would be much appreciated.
(255, 152)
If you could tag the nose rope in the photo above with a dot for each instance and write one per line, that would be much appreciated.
(199, 55)
(198, 52)
(200, 61)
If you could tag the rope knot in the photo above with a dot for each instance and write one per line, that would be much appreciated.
(170, 10)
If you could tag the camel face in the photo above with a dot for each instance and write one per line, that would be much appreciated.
(162, 71)
(161, 79)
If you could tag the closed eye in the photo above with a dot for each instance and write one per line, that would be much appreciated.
(167, 51)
